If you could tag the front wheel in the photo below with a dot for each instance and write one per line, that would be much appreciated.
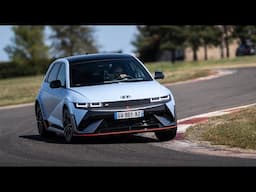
(166, 135)
(68, 128)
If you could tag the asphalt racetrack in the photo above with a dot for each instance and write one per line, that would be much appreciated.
(20, 144)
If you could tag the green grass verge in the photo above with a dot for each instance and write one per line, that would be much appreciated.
(188, 65)
(185, 70)
(19, 90)
(235, 130)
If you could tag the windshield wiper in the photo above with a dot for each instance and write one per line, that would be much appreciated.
(87, 84)
(109, 82)
(132, 80)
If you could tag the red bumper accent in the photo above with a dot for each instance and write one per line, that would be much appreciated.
(124, 132)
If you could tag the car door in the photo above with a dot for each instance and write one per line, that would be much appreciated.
(58, 96)
(49, 95)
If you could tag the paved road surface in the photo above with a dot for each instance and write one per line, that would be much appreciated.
(21, 146)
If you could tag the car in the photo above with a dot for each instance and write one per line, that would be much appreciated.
(103, 94)
(245, 49)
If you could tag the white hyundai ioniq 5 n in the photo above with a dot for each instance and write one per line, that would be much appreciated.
(104, 94)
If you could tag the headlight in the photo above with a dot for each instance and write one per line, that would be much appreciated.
(88, 105)
(96, 104)
(81, 105)
(159, 99)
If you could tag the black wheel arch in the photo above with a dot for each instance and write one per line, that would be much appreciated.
(36, 105)
(65, 107)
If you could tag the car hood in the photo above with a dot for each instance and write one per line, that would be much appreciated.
(115, 91)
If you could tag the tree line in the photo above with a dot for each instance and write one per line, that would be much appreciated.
(29, 47)
(151, 41)
(29, 54)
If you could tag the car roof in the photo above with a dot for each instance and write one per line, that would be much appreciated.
(96, 56)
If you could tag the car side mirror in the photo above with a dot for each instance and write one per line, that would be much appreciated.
(159, 75)
(55, 84)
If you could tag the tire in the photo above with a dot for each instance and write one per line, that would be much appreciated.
(166, 135)
(68, 128)
(41, 124)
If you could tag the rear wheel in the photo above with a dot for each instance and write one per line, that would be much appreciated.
(68, 128)
(166, 135)
(41, 124)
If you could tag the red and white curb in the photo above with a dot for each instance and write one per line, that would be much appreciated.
(183, 145)
(183, 124)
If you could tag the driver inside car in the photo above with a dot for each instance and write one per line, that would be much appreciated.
(119, 73)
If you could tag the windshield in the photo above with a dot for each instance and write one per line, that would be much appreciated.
(107, 71)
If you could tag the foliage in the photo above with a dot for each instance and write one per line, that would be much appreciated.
(245, 32)
(152, 40)
(72, 39)
(147, 43)
(28, 47)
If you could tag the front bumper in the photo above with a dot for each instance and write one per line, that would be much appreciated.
(97, 122)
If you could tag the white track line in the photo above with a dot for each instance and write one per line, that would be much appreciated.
(220, 73)
(17, 106)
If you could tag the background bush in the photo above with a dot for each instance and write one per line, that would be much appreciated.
(11, 69)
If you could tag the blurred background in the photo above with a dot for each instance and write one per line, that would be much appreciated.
(182, 51)
(33, 47)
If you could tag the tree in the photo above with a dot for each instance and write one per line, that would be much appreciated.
(173, 37)
(28, 47)
(245, 32)
(147, 43)
(152, 40)
(72, 40)
(227, 37)
(194, 38)
(226, 32)
(210, 36)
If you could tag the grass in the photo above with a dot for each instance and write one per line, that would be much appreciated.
(185, 70)
(19, 90)
(235, 130)
(209, 64)
(24, 89)
(171, 77)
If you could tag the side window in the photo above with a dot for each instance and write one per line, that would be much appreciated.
(62, 75)
(53, 73)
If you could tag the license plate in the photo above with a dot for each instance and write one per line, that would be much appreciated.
(129, 114)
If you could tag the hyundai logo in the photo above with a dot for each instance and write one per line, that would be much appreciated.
(125, 97)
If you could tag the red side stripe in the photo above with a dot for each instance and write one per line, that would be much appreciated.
(123, 132)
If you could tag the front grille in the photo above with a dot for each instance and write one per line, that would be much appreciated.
(130, 103)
